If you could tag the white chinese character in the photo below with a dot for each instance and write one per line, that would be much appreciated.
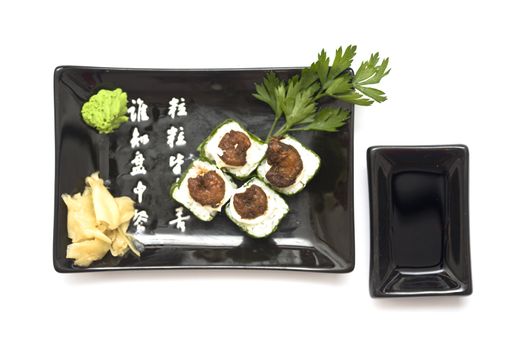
(180, 221)
(139, 190)
(178, 133)
(138, 111)
(139, 219)
(172, 110)
(176, 163)
(181, 141)
(176, 108)
(172, 133)
(182, 108)
(138, 163)
(138, 139)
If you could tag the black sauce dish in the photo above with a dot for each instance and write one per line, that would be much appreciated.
(419, 217)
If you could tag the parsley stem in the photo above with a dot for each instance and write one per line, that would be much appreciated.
(283, 130)
(320, 95)
(274, 124)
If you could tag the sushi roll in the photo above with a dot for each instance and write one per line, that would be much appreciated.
(256, 208)
(233, 149)
(288, 165)
(203, 189)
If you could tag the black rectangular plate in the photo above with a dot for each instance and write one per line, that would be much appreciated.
(419, 221)
(317, 234)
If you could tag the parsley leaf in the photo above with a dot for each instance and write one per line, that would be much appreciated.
(370, 72)
(355, 98)
(338, 86)
(266, 92)
(342, 61)
(322, 67)
(328, 119)
(300, 108)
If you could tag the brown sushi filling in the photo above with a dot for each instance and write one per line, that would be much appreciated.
(251, 203)
(234, 145)
(207, 188)
(286, 163)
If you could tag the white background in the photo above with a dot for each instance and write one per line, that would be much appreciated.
(457, 77)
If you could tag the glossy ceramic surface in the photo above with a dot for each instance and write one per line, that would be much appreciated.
(419, 221)
(317, 234)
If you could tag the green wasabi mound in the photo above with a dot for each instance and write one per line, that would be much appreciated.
(106, 110)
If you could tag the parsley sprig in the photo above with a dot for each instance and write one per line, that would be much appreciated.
(297, 98)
